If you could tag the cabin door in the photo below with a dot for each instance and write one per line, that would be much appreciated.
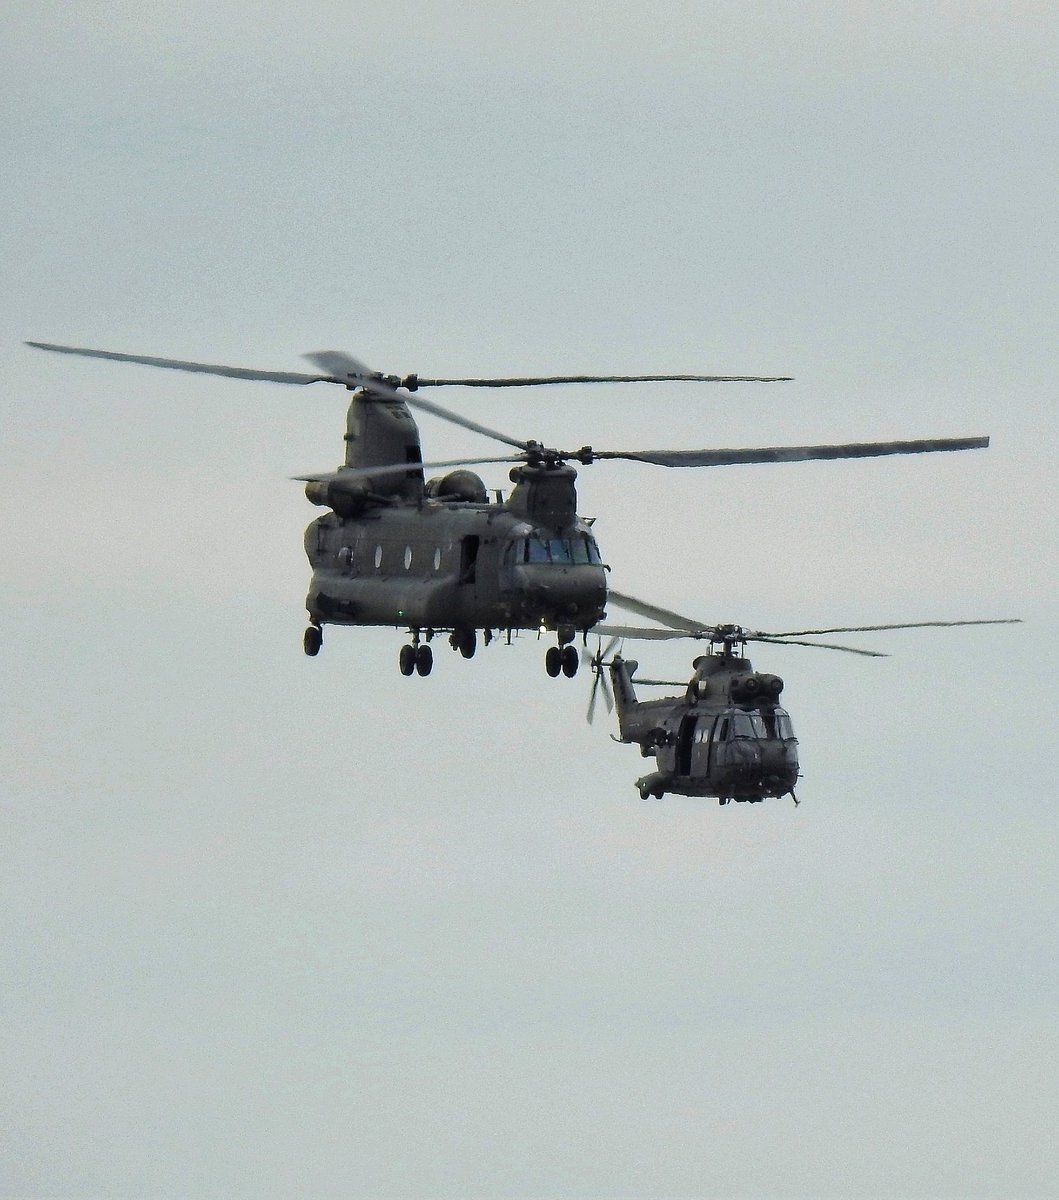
(469, 559)
(685, 740)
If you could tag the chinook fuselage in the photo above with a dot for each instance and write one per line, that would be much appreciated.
(439, 555)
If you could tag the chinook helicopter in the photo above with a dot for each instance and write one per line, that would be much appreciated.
(436, 556)
(727, 736)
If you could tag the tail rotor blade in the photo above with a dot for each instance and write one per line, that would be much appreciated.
(599, 683)
(590, 716)
(608, 698)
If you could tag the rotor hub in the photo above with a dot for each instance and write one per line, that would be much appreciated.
(728, 636)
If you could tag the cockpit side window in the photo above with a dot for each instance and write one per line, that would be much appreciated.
(784, 728)
(741, 724)
(578, 550)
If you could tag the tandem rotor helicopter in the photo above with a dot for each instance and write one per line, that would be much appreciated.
(727, 735)
(436, 556)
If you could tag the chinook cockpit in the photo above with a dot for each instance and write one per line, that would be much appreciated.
(579, 549)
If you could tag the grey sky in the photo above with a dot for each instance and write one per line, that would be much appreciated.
(275, 926)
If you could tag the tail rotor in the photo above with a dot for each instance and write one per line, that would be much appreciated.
(600, 683)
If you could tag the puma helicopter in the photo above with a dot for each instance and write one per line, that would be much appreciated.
(727, 736)
(437, 555)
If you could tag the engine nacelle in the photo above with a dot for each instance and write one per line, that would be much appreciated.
(461, 485)
(755, 688)
(346, 501)
(771, 686)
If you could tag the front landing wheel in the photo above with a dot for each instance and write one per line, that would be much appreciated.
(312, 640)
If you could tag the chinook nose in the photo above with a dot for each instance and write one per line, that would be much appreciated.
(575, 597)
(576, 592)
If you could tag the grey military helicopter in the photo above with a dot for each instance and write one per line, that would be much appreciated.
(436, 556)
(727, 736)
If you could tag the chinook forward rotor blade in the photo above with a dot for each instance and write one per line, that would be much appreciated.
(779, 454)
(355, 474)
(179, 364)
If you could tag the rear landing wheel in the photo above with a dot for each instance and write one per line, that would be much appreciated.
(424, 659)
(571, 660)
(312, 640)
(407, 660)
(553, 661)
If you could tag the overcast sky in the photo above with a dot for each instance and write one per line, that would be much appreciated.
(276, 926)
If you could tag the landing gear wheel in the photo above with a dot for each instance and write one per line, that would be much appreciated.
(424, 659)
(312, 641)
(553, 661)
(407, 660)
(467, 642)
(571, 660)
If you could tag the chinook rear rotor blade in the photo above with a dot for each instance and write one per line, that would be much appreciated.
(339, 367)
(179, 364)
(543, 380)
